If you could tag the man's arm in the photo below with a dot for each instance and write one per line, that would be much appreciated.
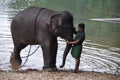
(72, 42)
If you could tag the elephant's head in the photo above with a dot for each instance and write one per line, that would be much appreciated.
(61, 24)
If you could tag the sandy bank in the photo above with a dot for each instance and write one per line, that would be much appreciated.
(57, 75)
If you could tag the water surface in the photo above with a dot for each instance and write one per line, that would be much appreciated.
(101, 49)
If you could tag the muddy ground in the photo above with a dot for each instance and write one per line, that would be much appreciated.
(55, 75)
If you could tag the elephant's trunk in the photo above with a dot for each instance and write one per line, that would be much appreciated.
(66, 51)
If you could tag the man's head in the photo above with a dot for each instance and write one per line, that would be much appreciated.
(81, 27)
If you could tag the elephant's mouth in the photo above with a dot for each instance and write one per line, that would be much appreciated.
(69, 39)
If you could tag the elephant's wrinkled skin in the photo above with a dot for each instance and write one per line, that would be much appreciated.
(42, 26)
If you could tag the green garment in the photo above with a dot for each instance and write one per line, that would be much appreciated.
(76, 51)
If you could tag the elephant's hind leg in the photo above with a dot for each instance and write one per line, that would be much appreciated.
(15, 58)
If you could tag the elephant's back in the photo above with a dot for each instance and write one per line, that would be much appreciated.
(29, 12)
(23, 24)
(26, 16)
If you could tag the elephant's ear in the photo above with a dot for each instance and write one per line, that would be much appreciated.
(49, 20)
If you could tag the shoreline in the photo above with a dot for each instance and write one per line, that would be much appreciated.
(31, 74)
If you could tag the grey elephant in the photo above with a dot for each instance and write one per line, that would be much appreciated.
(36, 25)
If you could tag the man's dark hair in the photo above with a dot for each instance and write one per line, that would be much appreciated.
(81, 25)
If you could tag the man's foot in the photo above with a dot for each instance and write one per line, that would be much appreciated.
(76, 71)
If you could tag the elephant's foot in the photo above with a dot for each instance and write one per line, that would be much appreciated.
(15, 63)
(50, 68)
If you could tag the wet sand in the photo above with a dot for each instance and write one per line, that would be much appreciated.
(55, 75)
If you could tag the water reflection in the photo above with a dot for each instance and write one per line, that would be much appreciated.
(101, 50)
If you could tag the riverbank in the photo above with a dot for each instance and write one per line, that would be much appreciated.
(56, 75)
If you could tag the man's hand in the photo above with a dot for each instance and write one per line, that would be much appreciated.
(67, 42)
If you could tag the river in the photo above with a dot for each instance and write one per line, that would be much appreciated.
(101, 49)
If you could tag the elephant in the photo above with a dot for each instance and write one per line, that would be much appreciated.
(36, 25)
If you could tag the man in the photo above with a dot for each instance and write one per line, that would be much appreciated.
(77, 45)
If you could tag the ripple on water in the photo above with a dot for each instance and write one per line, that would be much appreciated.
(103, 59)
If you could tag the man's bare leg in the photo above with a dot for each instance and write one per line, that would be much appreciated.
(77, 65)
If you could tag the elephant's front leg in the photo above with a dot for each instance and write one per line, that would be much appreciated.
(49, 54)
